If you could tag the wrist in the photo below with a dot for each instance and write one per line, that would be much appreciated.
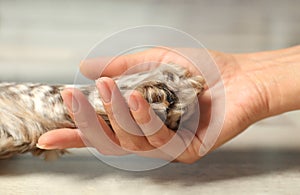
(277, 76)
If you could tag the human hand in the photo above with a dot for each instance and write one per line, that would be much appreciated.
(246, 102)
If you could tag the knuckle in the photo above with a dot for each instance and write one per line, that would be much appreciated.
(157, 141)
(109, 111)
(81, 124)
(131, 146)
(143, 117)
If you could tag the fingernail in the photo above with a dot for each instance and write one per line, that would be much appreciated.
(133, 103)
(75, 104)
(45, 147)
(70, 101)
(104, 90)
(40, 146)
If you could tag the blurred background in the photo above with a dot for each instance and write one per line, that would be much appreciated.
(44, 41)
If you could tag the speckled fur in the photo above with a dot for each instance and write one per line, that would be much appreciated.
(29, 110)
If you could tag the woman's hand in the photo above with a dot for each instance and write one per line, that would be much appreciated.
(248, 99)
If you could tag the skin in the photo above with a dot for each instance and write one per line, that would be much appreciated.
(257, 85)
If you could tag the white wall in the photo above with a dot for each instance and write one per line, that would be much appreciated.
(45, 40)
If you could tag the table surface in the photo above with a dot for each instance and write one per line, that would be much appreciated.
(230, 171)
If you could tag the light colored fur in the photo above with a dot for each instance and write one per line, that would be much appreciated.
(29, 110)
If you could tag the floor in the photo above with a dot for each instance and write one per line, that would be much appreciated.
(44, 41)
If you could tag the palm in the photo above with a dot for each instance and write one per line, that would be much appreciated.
(242, 96)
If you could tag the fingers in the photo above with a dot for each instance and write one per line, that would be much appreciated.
(61, 139)
(97, 133)
(130, 136)
(144, 134)
(115, 66)
(156, 132)
(127, 131)
(94, 131)
(110, 66)
(153, 128)
(138, 130)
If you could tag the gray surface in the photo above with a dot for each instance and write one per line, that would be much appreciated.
(229, 171)
(45, 40)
